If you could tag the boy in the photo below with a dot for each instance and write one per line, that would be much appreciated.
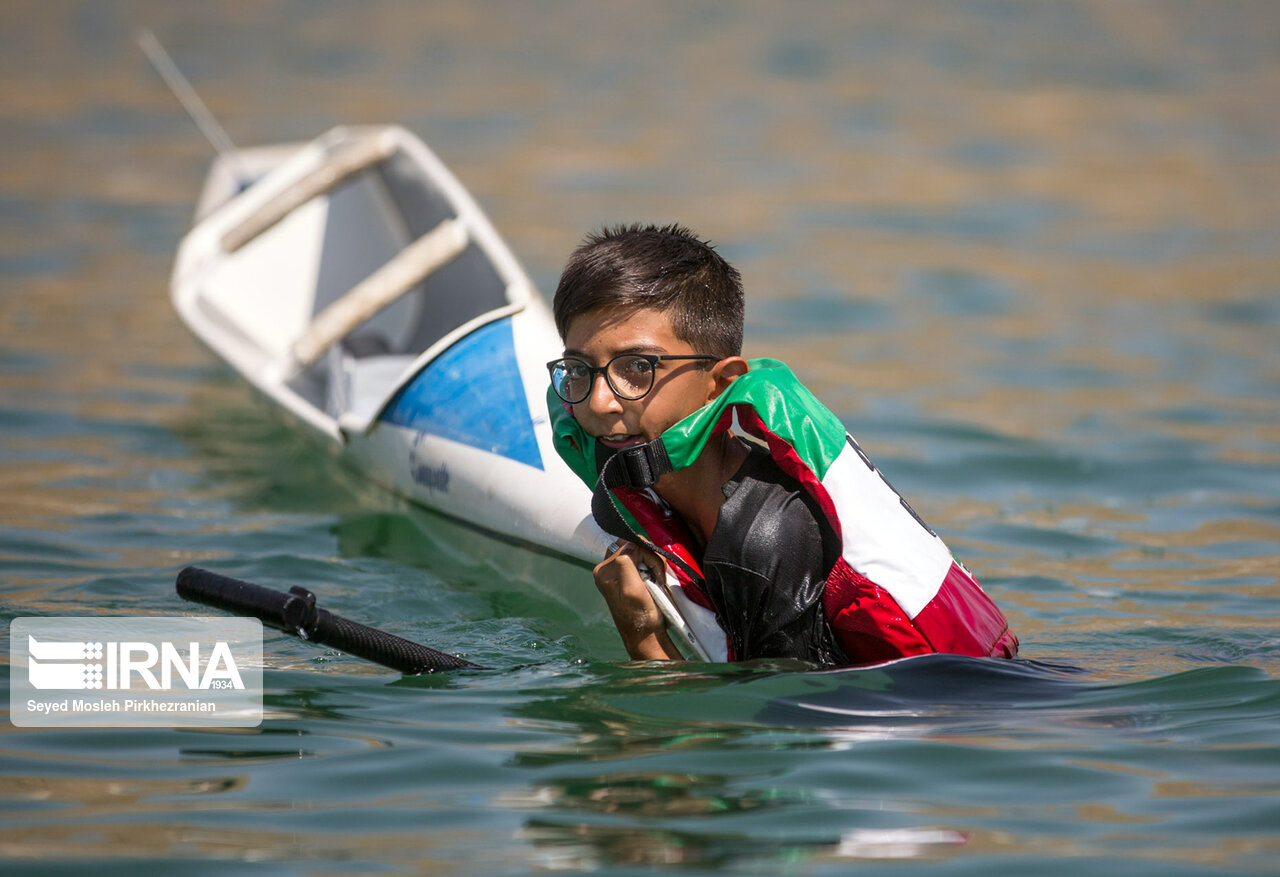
(794, 541)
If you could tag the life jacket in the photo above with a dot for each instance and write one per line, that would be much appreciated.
(895, 589)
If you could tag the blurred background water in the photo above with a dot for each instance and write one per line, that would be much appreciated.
(1027, 251)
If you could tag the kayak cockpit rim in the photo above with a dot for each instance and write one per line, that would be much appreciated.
(239, 311)
(404, 271)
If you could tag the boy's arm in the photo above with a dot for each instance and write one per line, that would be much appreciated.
(637, 617)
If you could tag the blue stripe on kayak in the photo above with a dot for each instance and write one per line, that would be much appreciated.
(472, 394)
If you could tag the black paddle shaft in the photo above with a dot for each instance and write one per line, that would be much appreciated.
(296, 612)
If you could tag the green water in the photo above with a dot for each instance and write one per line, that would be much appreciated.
(1026, 251)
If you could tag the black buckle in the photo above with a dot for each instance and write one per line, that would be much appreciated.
(637, 468)
(642, 465)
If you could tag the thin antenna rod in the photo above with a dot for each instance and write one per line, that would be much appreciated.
(186, 95)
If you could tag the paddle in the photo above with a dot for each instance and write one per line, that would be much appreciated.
(296, 613)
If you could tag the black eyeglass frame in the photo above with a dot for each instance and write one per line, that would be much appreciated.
(652, 358)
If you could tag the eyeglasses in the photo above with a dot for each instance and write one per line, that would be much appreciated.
(629, 375)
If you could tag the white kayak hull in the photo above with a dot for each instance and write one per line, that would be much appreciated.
(482, 455)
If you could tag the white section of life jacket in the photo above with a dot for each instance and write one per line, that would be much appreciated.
(882, 539)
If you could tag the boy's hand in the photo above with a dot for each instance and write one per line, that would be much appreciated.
(637, 617)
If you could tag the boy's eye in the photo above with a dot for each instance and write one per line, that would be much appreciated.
(635, 367)
(631, 376)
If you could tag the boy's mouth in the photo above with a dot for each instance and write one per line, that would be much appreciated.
(618, 442)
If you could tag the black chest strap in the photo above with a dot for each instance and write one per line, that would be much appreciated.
(638, 468)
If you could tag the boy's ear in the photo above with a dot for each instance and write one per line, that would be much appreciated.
(725, 372)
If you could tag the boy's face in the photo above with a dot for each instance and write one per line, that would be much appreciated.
(679, 388)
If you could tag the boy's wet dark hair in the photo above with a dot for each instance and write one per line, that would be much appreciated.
(629, 267)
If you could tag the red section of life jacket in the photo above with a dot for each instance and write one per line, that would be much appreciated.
(962, 620)
(868, 623)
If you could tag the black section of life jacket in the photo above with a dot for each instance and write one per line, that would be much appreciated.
(766, 567)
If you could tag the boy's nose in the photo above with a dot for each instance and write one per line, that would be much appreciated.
(602, 399)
